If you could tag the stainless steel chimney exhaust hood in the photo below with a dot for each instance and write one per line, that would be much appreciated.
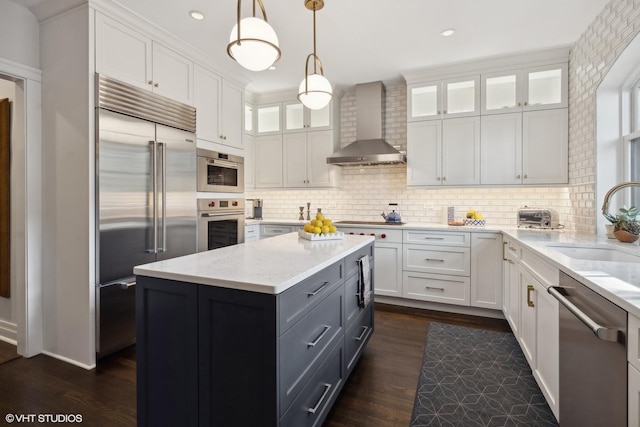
(369, 147)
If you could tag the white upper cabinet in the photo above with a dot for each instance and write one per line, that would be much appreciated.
(545, 147)
(501, 149)
(249, 124)
(445, 152)
(304, 159)
(443, 99)
(528, 89)
(129, 56)
(267, 152)
(297, 117)
(219, 108)
(269, 118)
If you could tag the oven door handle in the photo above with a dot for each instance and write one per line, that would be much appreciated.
(209, 214)
(224, 163)
(602, 332)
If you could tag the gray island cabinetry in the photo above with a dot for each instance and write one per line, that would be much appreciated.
(259, 334)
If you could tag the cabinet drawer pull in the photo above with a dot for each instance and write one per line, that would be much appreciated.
(315, 343)
(431, 288)
(364, 332)
(434, 259)
(317, 291)
(529, 290)
(434, 238)
(327, 387)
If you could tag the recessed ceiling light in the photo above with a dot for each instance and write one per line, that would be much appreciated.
(448, 32)
(196, 14)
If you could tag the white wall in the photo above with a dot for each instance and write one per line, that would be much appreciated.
(19, 35)
(366, 191)
(591, 58)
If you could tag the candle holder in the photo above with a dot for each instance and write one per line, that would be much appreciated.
(301, 218)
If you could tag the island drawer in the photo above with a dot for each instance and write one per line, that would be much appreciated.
(357, 336)
(447, 238)
(303, 347)
(269, 230)
(437, 259)
(296, 301)
(318, 396)
(351, 261)
(437, 288)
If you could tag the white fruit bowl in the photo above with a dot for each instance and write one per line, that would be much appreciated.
(330, 236)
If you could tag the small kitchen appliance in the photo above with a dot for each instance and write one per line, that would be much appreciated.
(538, 218)
(257, 208)
(219, 172)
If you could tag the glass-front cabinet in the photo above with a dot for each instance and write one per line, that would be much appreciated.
(297, 117)
(536, 88)
(269, 118)
(449, 98)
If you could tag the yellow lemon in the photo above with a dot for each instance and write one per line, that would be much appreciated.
(326, 222)
(317, 230)
(325, 229)
(319, 216)
(332, 229)
(308, 228)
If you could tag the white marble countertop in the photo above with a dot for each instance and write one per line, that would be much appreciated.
(269, 266)
(617, 281)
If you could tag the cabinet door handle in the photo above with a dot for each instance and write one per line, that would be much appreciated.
(156, 84)
(434, 260)
(517, 176)
(438, 178)
(525, 176)
(317, 340)
(317, 291)
(150, 82)
(526, 103)
(504, 246)
(327, 387)
(529, 290)
(444, 178)
(364, 332)
(430, 288)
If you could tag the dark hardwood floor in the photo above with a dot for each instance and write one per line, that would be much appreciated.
(380, 392)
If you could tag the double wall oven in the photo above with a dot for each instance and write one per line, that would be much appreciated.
(220, 219)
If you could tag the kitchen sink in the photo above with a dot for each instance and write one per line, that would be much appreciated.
(595, 253)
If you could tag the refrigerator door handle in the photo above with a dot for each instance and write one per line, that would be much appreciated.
(154, 189)
(163, 159)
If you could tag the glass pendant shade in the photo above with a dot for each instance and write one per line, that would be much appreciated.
(257, 48)
(315, 92)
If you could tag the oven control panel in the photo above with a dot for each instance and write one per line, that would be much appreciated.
(220, 205)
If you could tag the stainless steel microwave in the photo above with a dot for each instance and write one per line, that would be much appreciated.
(220, 172)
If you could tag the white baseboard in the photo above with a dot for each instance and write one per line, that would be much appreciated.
(9, 332)
(448, 308)
(71, 361)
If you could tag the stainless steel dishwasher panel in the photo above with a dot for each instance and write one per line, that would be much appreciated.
(593, 357)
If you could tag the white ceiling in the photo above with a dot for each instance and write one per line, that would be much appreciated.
(366, 40)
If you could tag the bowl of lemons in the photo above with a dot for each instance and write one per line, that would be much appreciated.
(320, 228)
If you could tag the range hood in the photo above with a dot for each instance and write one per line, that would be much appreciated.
(369, 148)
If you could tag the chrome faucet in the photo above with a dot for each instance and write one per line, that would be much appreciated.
(607, 197)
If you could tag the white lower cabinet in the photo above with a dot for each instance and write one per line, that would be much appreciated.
(388, 269)
(251, 232)
(533, 315)
(436, 287)
(486, 270)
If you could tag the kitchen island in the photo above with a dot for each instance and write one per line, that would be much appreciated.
(262, 333)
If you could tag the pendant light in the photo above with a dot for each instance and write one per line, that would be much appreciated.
(253, 43)
(315, 90)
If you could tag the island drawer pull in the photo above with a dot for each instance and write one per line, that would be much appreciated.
(315, 343)
(327, 387)
(434, 238)
(317, 291)
(434, 259)
(431, 288)
(364, 332)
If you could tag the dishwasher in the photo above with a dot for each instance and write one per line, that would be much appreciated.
(593, 357)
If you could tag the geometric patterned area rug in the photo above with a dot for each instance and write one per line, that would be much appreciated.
(475, 377)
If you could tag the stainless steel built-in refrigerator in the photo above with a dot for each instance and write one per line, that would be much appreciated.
(146, 198)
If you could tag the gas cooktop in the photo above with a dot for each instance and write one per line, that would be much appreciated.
(368, 223)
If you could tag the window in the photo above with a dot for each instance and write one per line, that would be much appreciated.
(634, 144)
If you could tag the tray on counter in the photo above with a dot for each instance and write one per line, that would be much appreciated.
(338, 235)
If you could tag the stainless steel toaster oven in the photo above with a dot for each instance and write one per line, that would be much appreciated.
(538, 218)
